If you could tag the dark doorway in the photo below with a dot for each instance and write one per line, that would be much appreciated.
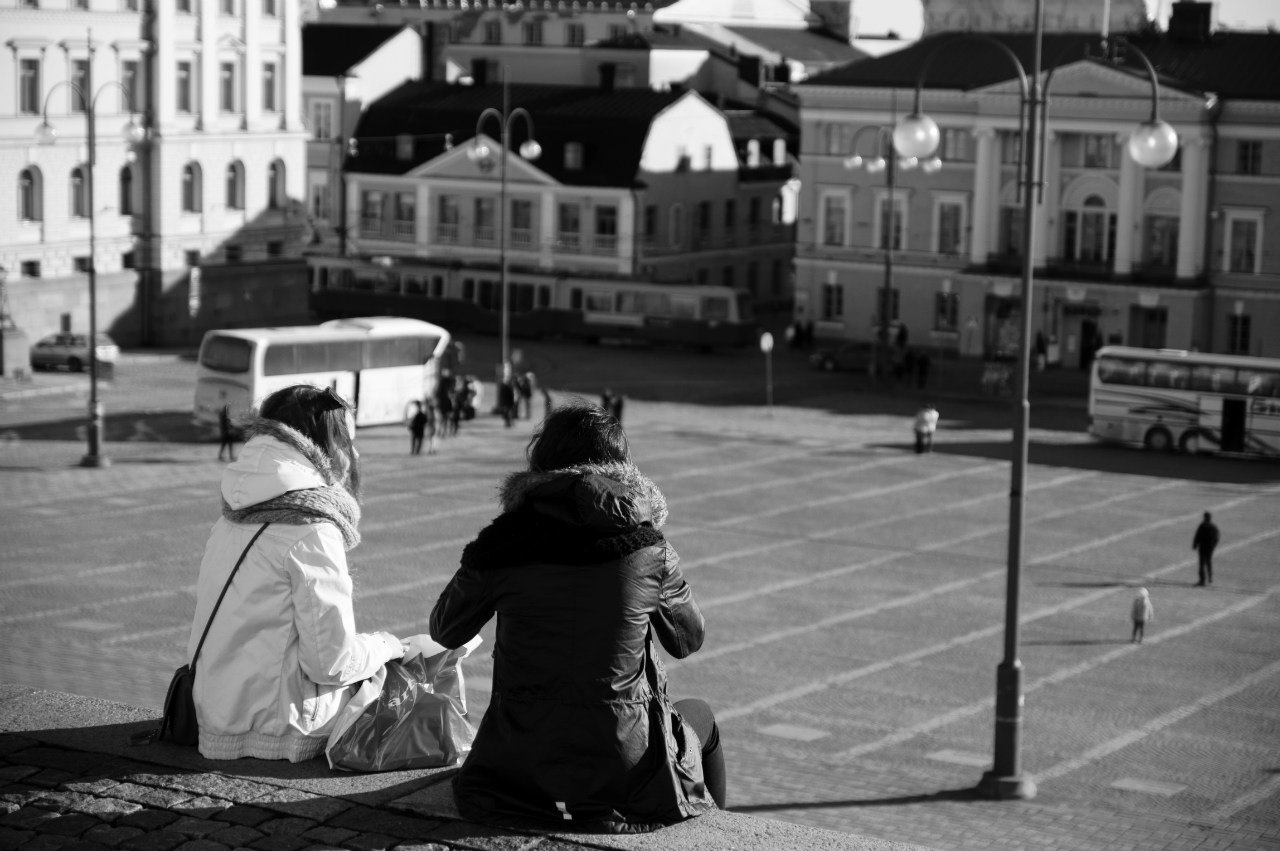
(1233, 417)
(1090, 342)
(1147, 326)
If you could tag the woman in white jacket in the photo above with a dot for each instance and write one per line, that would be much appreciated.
(282, 656)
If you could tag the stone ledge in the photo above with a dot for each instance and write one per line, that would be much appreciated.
(68, 767)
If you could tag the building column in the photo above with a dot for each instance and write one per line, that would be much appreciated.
(1046, 196)
(1128, 210)
(291, 66)
(1190, 215)
(986, 191)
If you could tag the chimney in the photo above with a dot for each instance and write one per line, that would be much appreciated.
(1190, 22)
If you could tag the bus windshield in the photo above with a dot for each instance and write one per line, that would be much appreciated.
(226, 354)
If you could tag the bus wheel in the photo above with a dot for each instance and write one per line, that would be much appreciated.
(1159, 440)
(1190, 442)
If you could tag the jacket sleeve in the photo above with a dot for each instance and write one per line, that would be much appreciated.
(678, 621)
(330, 650)
(465, 605)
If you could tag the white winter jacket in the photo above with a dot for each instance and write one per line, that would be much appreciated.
(283, 655)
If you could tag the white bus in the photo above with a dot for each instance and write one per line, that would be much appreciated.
(380, 364)
(1196, 402)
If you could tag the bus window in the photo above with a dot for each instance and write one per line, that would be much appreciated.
(523, 298)
(599, 302)
(392, 351)
(544, 296)
(575, 299)
(280, 359)
(1122, 371)
(715, 308)
(226, 354)
(1175, 376)
(486, 299)
(684, 307)
(1260, 382)
(468, 289)
(1216, 379)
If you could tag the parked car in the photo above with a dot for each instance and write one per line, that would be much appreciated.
(847, 356)
(71, 351)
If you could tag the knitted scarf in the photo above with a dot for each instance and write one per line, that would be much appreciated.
(332, 503)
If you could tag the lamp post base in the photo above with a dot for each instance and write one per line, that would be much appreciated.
(1019, 787)
(95, 461)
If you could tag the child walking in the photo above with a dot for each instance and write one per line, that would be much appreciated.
(1142, 612)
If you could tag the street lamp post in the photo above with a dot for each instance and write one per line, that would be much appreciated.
(529, 150)
(889, 230)
(1152, 144)
(47, 135)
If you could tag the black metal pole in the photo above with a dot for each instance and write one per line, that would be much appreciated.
(94, 457)
(1005, 779)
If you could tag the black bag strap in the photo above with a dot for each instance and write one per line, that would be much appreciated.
(239, 562)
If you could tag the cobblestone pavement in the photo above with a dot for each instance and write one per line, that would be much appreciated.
(854, 595)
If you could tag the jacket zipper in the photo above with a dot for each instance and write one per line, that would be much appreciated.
(315, 704)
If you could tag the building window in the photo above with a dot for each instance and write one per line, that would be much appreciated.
(493, 32)
(447, 217)
(228, 7)
(949, 226)
(575, 35)
(269, 8)
(184, 6)
(29, 86)
(569, 226)
(704, 219)
(1010, 147)
(1089, 234)
(946, 312)
(1248, 157)
(235, 186)
(129, 82)
(606, 238)
(322, 120)
(485, 212)
(955, 145)
(126, 191)
(191, 188)
(753, 213)
(269, 86)
(883, 226)
(129, 260)
(730, 216)
(233, 253)
(1238, 334)
(275, 248)
(30, 268)
(1244, 242)
(533, 33)
(191, 258)
(184, 87)
(727, 276)
(521, 230)
(1099, 151)
(1011, 228)
(834, 215)
(81, 85)
(81, 263)
(227, 86)
(617, 32)
(832, 301)
(675, 231)
(321, 198)
(650, 224)
(573, 156)
(30, 195)
(275, 186)
(79, 193)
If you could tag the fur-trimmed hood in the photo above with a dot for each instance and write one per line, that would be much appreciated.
(598, 495)
(580, 515)
(283, 477)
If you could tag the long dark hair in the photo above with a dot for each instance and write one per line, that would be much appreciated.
(574, 434)
(320, 415)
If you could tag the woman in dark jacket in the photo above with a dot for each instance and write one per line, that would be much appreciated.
(580, 728)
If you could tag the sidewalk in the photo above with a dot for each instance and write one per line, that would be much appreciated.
(72, 778)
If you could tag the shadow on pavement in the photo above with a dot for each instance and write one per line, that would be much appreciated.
(1124, 460)
(965, 794)
(163, 427)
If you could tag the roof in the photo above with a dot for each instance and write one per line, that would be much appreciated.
(332, 49)
(1230, 64)
(611, 126)
(813, 46)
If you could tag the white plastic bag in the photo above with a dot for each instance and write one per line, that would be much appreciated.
(410, 714)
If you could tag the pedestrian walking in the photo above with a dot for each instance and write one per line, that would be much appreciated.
(444, 402)
(417, 429)
(925, 425)
(227, 433)
(507, 396)
(524, 393)
(1204, 543)
(1141, 611)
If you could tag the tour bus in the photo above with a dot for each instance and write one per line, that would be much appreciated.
(1196, 402)
(380, 364)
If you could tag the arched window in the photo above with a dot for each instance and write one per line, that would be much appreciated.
(191, 188)
(235, 186)
(79, 193)
(275, 185)
(30, 195)
(126, 191)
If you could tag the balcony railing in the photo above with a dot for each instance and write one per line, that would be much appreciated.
(486, 234)
(521, 238)
(402, 229)
(447, 233)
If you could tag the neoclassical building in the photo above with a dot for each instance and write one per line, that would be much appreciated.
(1174, 257)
